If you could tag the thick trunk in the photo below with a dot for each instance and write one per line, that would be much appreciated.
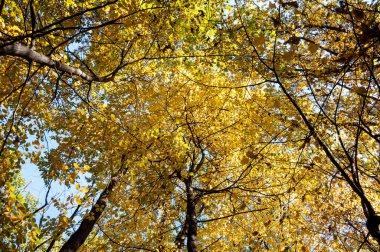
(27, 53)
(87, 224)
(191, 218)
(373, 223)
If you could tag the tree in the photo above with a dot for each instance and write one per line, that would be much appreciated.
(206, 125)
(322, 57)
(18, 226)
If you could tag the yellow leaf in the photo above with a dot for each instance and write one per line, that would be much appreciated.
(12, 195)
(84, 190)
(71, 178)
(77, 186)
(76, 165)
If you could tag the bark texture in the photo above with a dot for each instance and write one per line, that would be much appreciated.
(87, 224)
(25, 52)
(191, 217)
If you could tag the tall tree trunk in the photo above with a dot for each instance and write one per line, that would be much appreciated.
(87, 224)
(191, 217)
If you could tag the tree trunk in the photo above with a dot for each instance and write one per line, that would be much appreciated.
(180, 239)
(87, 224)
(191, 217)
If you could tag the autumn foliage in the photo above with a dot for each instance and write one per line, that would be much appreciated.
(213, 125)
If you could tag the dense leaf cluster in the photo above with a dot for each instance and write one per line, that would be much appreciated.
(215, 125)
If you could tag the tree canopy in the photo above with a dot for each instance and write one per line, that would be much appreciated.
(160, 125)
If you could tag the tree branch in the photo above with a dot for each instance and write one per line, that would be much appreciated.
(25, 52)
(80, 235)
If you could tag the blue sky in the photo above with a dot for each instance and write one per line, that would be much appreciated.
(37, 187)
